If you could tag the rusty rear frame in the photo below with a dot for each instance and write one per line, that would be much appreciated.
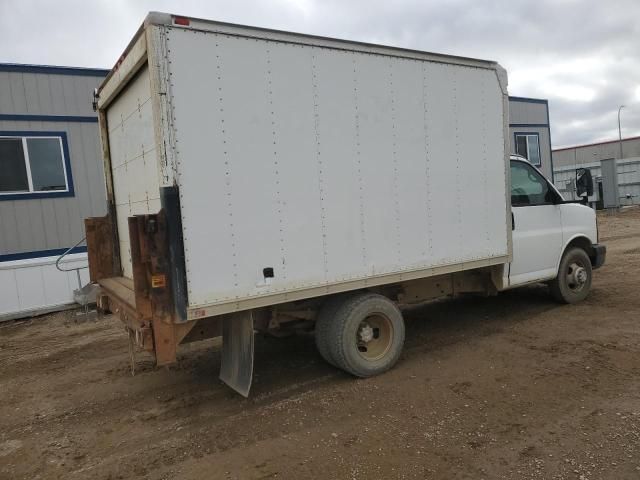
(145, 304)
(152, 305)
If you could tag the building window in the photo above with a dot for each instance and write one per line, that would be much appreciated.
(528, 145)
(34, 164)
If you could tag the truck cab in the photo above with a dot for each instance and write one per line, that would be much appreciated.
(554, 240)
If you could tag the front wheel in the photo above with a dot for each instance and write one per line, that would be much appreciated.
(573, 282)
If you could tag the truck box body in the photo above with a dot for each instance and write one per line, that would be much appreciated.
(305, 166)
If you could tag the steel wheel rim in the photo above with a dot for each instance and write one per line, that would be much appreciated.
(374, 337)
(577, 276)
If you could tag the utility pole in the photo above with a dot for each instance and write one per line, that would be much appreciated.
(620, 131)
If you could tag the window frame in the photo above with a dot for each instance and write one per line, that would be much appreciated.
(66, 166)
(551, 190)
(527, 134)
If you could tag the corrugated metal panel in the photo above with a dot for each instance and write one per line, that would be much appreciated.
(527, 112)
(597, 152)
(46, 94)
(611, 195)
(628, 179)
(49, 223)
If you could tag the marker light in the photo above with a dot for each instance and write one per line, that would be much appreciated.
(181, 21)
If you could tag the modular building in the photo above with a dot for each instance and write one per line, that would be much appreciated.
(51, 179)
(530, 133)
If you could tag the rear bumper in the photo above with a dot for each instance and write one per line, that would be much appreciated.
(599, 255)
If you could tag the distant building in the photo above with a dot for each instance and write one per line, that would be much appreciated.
(592, 156)
(529, 132)
(51, 178)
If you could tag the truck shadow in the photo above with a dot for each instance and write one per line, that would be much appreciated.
(448, 321)
(292, 365)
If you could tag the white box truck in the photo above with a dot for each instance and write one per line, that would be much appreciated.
(261, 180)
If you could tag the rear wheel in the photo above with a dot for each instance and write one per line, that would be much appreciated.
(323, 326)
(364, 335)
(573, 282)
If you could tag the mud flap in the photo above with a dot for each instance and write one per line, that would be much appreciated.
(237, 352)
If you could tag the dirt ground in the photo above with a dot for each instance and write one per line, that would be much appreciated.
(510, 387)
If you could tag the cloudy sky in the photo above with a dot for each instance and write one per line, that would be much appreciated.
(582, 55)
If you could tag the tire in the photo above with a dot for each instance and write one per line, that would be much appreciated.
(365, 335)
(573, 282)
(323, 326)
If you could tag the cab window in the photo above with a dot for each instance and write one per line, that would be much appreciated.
(528, 186)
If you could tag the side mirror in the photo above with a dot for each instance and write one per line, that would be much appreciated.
(96, 97)
(584, 182)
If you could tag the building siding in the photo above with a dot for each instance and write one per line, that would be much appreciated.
(545, 151)
(36, 224)
(46, 94)
(581, 154)
(628, 172)
(524, 112)
(590, 156)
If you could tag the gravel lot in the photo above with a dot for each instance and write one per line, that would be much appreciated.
(511, 387)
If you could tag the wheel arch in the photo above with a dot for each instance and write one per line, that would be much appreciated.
(578, 241)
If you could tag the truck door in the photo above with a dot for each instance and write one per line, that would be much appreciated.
(537, 226)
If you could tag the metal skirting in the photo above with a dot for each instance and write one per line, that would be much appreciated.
(35, 286)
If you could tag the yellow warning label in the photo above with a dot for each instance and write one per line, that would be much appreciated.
(158, 281)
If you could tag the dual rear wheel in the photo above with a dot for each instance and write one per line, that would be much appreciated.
(360, 333)
(363, 333)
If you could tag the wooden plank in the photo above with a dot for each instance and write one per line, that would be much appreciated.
(99, 247)
(165, 341)
(127, 282)
(140, 280)
(158, 249)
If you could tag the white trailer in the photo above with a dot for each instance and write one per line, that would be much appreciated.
(261, 180)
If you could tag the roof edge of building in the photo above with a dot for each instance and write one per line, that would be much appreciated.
(53, 69)
(594, 144)
(528, 100)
